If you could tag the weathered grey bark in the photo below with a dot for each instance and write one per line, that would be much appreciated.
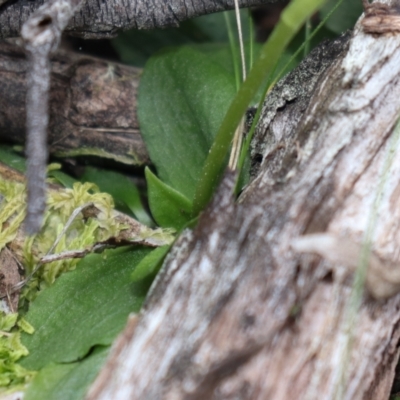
(238, 314)
(92, 106)
(98, 19)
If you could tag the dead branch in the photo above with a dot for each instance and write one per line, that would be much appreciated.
(92, 106)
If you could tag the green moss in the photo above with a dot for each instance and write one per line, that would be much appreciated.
(12, 375)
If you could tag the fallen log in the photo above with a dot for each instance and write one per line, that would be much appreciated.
(258, 301)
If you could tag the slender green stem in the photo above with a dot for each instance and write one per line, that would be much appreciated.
(232, 44)
(292, 18)
(249, 136)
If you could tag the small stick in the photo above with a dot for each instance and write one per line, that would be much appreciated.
(42, 35)
(47, 258)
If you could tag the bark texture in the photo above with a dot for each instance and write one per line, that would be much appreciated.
(92, 106)
(99, 19)
(236, 313)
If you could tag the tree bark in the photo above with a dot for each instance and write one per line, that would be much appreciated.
(101, 19)
(92, 106)
(237, 312)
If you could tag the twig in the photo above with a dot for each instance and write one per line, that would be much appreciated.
(21, 284)
(41, 34)
(68, 224)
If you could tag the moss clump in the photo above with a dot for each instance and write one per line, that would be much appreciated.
(12, 375)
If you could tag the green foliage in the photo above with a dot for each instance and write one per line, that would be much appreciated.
(150, 265)
(168, 207)
(84, 308)
(66, 381)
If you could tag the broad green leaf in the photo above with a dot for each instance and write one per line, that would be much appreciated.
(150, 265)
(169, 208)
(183, 98)
(86, 307)
(344, 17)
(121, 188)
(66, 381)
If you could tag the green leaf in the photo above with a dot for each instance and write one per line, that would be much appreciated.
(150, 265)
(66, 381)
(344, 17)
(183, 98)
(121, 188)
(62, 178)
(9, 157)
(86, 307)
(169, 208)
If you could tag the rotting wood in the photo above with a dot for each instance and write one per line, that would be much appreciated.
(92, 106)
(235, 312)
